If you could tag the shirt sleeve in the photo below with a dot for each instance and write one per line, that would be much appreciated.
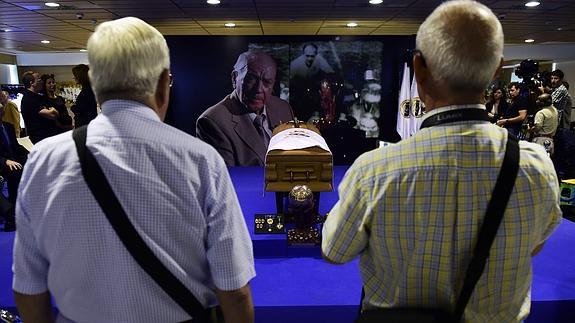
(30, 268)
(229, 246)
(551, 214)
(345, 233)
(539, 117)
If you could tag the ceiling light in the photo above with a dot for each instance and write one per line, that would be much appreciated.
(6, 30)
(559, 28)
(529, 40)
(230, 24)
(45, 42)
(213, 1)
(532, 4)
(352, 24)
(52, 4)
(375, 1)
(83, 50)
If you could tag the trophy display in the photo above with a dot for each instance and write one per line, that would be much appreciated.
(299, 165)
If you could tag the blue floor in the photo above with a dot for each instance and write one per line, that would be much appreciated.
(294, 284)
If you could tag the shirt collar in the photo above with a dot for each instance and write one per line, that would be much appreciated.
(113, 106)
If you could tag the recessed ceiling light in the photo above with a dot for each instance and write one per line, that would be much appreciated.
(352, 24)
(45, 42)
(6, 30)
(529, 40)
(52, 4)
(213, 1)
(230, 25)
(559, 28)
(532, 4)
(375, 1)
(83, 50)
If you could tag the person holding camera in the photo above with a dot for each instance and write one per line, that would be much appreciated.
(513, 117)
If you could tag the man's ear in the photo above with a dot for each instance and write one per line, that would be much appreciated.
(162, 95)
(422, 77)
(234, 76)
(420, 69)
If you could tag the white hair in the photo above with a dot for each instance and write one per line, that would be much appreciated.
(462, 45)
(127, 56)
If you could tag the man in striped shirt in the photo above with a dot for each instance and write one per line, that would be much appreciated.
(412, 211)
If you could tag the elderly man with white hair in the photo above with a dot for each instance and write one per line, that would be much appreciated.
(174, 189)
(413, 211)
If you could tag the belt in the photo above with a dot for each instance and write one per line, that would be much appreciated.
(544, 135)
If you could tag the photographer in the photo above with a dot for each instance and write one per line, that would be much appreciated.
(514, 116)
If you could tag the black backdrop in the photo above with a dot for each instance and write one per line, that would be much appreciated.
(202, 66)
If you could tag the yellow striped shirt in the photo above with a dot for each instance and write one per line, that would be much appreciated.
(412, 211)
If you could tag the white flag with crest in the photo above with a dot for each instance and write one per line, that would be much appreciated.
(404, 109)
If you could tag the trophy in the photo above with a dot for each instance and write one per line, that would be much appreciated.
(301, 217)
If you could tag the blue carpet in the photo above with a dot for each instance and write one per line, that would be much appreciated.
(296, 285)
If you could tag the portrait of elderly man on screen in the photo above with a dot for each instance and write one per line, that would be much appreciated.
(240, 126)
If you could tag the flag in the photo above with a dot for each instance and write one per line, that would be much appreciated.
(404, 109)
(417, 109)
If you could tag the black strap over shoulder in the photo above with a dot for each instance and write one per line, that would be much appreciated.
(455, 116)
(139, 250)
(491, 222)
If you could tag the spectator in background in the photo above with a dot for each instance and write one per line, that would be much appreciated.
(11, 113)
(513, 117)
(545, 123)
(562, 100)
(38, 118)
(64, 121)
(85, 109)
(12, 158)
(415, 246)
(497, 104)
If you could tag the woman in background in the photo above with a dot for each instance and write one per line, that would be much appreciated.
(497, 104)
(64, 121)
(85, 108)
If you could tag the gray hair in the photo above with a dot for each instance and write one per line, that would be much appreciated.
(127, 56)
(462, 44)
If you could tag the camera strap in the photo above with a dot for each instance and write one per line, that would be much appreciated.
(467, 114)
(125, 230)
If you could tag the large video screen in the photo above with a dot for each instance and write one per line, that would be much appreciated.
(322, 80)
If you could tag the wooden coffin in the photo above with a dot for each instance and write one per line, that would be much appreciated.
(312, 166)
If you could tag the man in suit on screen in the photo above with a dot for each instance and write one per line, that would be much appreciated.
(240, 126)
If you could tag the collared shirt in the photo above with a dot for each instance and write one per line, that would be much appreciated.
(177, 193)
(413, 210)
(560, 97)
(266, 121)
(547, 119)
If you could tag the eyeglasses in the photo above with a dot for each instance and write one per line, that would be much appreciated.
(171, 80)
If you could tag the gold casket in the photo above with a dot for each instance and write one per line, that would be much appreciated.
(311, 166)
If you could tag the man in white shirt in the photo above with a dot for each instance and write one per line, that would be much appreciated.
(545, 123)
(175, 190)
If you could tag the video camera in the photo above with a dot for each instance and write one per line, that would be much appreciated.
(528, 71)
